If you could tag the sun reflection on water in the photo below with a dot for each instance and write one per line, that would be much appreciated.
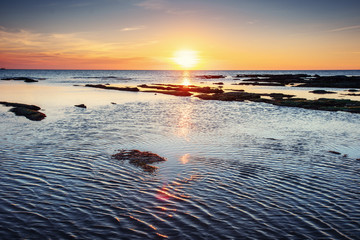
(185, 158)
(185, 80)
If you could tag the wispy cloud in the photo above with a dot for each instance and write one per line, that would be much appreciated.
(31, 48)
(152, 4)
(164, 5)
(345, 28)
(126, 29)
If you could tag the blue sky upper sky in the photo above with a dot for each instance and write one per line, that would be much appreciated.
(228, 34)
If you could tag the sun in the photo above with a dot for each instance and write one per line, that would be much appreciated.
(186, 58)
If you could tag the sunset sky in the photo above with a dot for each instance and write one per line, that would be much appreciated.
(147, 34)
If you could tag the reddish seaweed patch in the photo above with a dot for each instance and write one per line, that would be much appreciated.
(139, 159)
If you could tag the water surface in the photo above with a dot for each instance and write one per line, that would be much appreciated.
(235, 170)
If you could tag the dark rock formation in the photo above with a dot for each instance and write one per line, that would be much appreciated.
(230, 96)
(25, 79)
(210, 76)
(31, 112)
(333, 82)
(80, 106)
(287, 100)
(324, 104)
(334, 152)
(139, 159)
(322, 92)
(131, 89)
(300, 80)
(172, 88)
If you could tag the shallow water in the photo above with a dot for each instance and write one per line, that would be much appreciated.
(235, 170)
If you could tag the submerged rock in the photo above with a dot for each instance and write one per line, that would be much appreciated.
(322, 92)
(179, 90)
(230, 96)
(335, 152)
(211, 76)
(25, 79)
(81, 106)
(139, 159)
(31, 112)
(131, 89)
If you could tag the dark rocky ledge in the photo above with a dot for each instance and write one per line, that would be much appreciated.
(300, 80)
(139, 159)
(25, 79)
(31, 112)
(322, 92)
(210, 76)
(102, 86)
(279, 99)
(178, 90)
(324, 104)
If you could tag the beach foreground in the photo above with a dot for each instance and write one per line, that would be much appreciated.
(233, 169)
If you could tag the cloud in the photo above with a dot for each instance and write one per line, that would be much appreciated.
(152, 4)
(345, 28)
(27, 41)
(28, 48)
(126, 29)
(163, 5)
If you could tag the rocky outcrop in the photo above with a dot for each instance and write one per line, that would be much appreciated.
(139, 159)
(230, 96)
(300, 80)
(31, 112)
(102, 86)
(25, 79)
(210, 76)
(81, 106)
(324, 104)
(322, 92)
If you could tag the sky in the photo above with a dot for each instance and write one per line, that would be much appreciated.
(148, 34)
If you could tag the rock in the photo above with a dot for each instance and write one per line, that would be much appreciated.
(230, 96)
(25, 79)
(31, 112)
(333, 82)
(28, 113)
(335, 152)
(219, 83)
(80, 106)
(279, 96)
(322, 92)
(139, 159)
(353, 90)
(131, 89)
(32, 107)
(210, 76)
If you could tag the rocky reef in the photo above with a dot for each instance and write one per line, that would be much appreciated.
(178, 90)
(300, 80)
(31, 112)
(210, 76)
(25, 79)
(139, 159)
(323, 104)
(103, 86)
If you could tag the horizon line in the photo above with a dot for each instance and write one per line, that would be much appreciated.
(64, 69)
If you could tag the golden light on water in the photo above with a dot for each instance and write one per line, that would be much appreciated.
(185, 79)
(186, 58)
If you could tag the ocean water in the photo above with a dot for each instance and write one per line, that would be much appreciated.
(234, 170)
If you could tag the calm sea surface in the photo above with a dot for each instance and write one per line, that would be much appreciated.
(234, 170)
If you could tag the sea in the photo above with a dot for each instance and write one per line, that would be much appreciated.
(234, 170)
